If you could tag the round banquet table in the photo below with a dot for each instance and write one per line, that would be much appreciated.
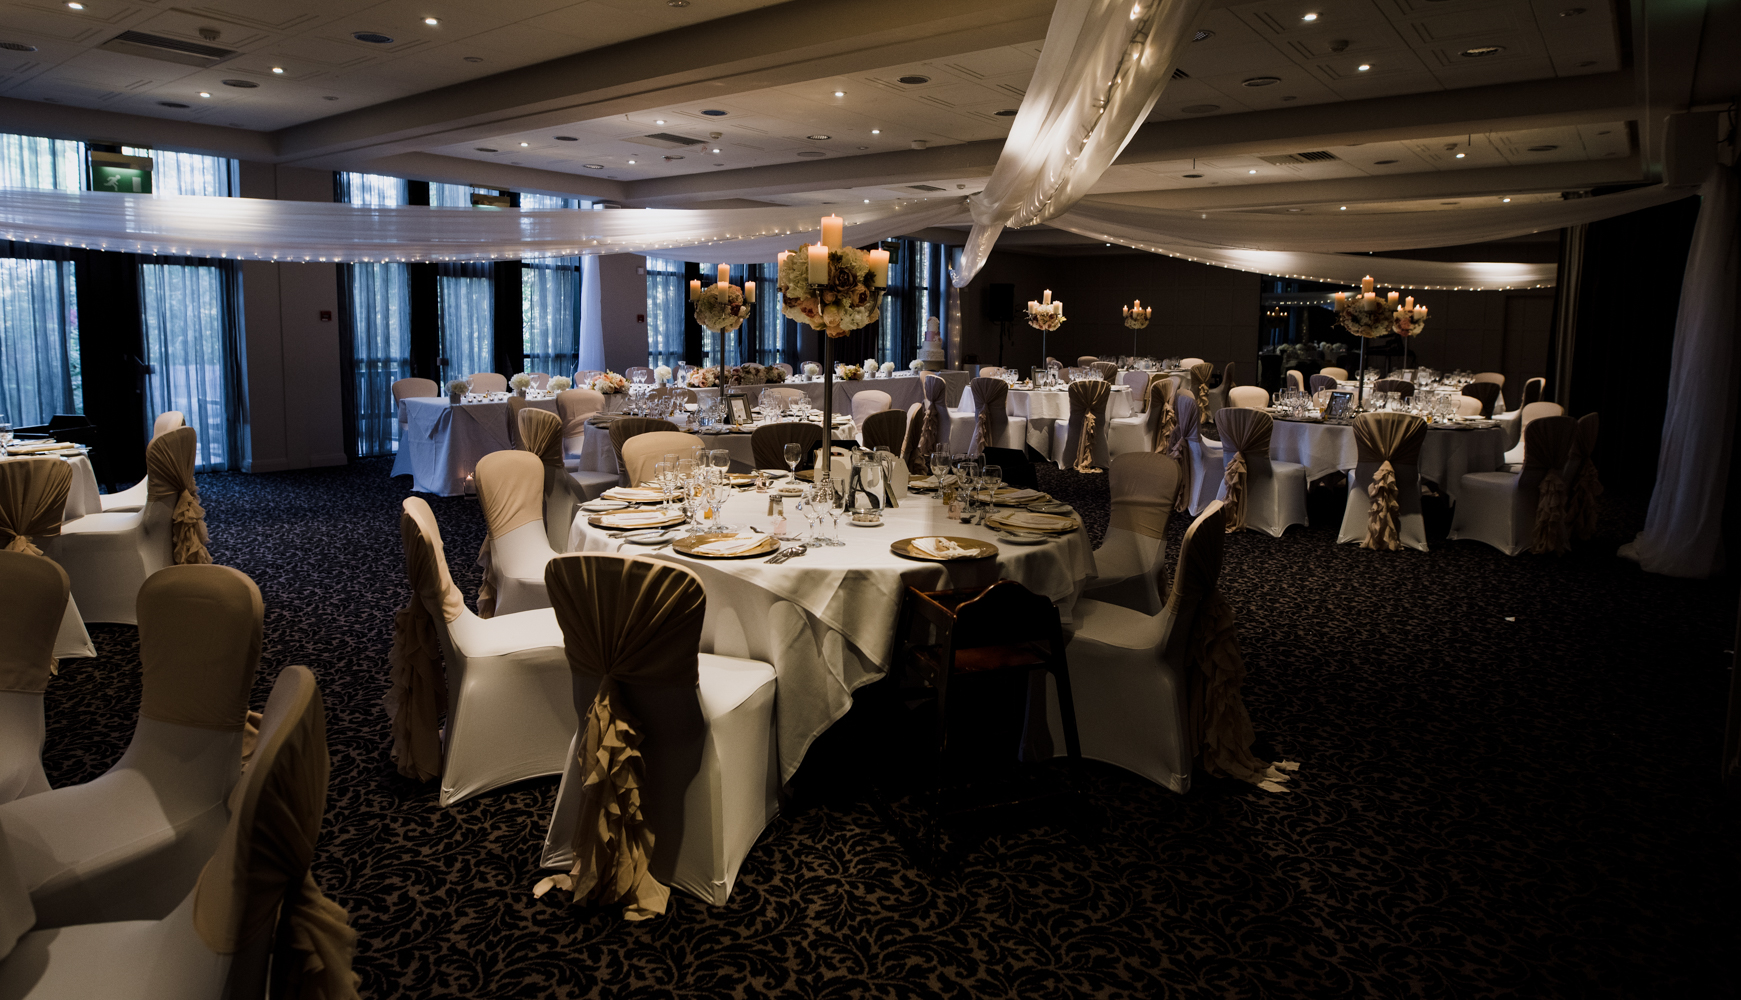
(597, 455)
(904, 390)
(826, 620)
(1040, 407)
(440, 444)
(1446, 456)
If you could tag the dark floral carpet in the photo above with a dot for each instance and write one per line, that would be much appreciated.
(1508, 788)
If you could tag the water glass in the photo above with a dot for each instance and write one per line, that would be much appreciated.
(794, 455)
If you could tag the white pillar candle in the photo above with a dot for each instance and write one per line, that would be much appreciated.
(1048, 299)
(749, 291)
(818, 265)
(695, 289)
(1366, 284)
(832, 229)
(879, 266)
(725, 274)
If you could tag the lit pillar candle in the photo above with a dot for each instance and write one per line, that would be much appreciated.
(879, 265)
(819, 265)
(1341, 301)
(1408, 303)
(1366, 284)
(1391, 298)
(780, 257)
(1127, 311)
(1420, 313)
(1048, 299)
(695, 289)
(725, 274)
(749, 291)
(1058, 308)
(1137, 303)
(832, 228)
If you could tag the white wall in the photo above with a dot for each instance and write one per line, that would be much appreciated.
(295, 410)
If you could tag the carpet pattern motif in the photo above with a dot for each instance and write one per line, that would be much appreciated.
(1508, 788)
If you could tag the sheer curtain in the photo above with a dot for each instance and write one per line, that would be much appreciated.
(189, 327)
(467, 299)
(39, 341)
(553, 299)
(667, 298)
(1683, 530)
(378, 305)
(32, 161)
(770, 323)
(190, 173)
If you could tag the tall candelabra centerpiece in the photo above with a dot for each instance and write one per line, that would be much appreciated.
(835, 289)
(722, 307)
(1045, 316)
(1367, 316)
(1136, 317)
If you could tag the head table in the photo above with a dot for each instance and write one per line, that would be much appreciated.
(826, 620)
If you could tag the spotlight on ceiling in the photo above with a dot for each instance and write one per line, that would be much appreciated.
(1251, 171)
(1506, 200)
(1344, 208)
(658, 121)
(876, 131)
(432, 22)
(714, 150)
(593, 166)
(1363, 67)
(204, 94)
(76, 6)
(840, 93)
(1461, 155)
(279, 70)
(525, 144)
(1308, 17)
(818, 138)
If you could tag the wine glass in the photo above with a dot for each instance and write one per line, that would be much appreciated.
(720, 459)
(992, 477)
(939, 467)
(794, 455)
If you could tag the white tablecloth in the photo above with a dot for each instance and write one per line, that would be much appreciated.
(82, 495)
(597, 455)
(1040, 407)
(1445, 456)
(826, 620)
(443, 443)
(904, 391)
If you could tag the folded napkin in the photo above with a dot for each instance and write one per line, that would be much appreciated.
(943, 548)
(634, 493)
(743, 541)
(1029, 519)
(1017, 496)
(33, 449)
(633, 517)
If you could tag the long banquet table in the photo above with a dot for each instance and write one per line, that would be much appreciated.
(826, 620)
(442, 443)
(1446, 455)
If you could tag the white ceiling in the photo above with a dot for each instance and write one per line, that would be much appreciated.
(326, 70)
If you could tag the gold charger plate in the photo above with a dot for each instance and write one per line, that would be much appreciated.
(1061, 525)
(598, 521)
(689, 543)
(904, 548)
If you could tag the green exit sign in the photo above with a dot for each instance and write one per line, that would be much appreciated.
(119, 173)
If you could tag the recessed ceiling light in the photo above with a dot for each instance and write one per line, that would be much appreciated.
(913, 81)
(671, 157)
(204, 93)
(719, 164)
(658, 121)
(1344, 208)
(1604, 132)
(1505, 199)
(171, 104)
(819, 138)
(279, 70)
(330, 97)
(17, 47)
(1586, 64)
(240, 84)
(1293, 210)
(372, 37)
(1203, 34)
(1308, 17)
(867, 201)
(840, 93)
(76, 6)
(876, 131)
(713, 113)
(1251, 171)
(1192, 176)
(1200, 109)
(1006, 113)
(1382, 163)
(1481, 50)
(864, 147)
(676, 3)
(1364, 67)
(593, 166)
(525, 144)
(1543, 149)
(565, 138)
(432, 22)
(1460, 155)
(631, 162)
(1450, 203)
(1261, 81)
(474, 59)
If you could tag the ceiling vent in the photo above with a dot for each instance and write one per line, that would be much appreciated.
(664, 140)
(17, 47)
(1180, 74)
(1315, 156)
(139, 43)
(924, 187)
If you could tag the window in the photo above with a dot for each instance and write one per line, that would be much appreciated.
(31, 161)
(667, 299)
(917, 291)
(770, 323)
(550, 299)
(188, 331)
(39, 315)
(466, 298)
(190, 173)
(378, 304)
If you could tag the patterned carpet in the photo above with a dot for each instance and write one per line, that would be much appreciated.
(1508, 789)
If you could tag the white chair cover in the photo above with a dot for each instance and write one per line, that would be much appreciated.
(1205, 462)
(504, 689)
(489, 382)
(1469, 406)
(624, 428)
(134, 497)
(1383, 510)
(1260, 493)
(673, 774)
(1190, 363)
(1154, 692)
(1525, 510)
(33, 599)
(1248, 396)
(1128, 564)
(1339, 374)
(574, 406)
(1134, 433)
(866, 402)
(541, 435)
(511, 492)
(129, 845)
(1296, 379)
(643, 451)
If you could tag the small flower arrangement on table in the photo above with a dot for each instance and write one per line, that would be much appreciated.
(457, 389)
(774, 373)
(703, 378)
(662, 374)
(812, 369)
(609, 382)
(561, 383)
(851, 373)
(520, 383)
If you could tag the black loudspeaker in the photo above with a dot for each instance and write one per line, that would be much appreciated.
(1000, 303)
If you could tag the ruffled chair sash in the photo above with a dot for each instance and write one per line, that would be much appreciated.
(1548, 442)
(33, 494)
(1390, 439)
(631, 620)
(990, 396)
(1200, 391)
(1183, 432)
(1550, 515)
(1382, 514)
(932, 425)
(169, 468)
(1161, 396)
(1089, 396)
(1245, 432)
(1217, 706)
(417, 688)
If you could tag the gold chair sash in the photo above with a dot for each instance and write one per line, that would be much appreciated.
(1547, 444)
(1550, 515)
(417, 688)
(1163, 411)
(33, 598)
(169, 470)
(624, 620)
(1246, 432)
(1184, 432)
(1390, 439)
(260, 874)
(933, 421)
(1089, 398)
(990, 396)
(33, 495)
(1382, 531)
(1216, 719)
(1200, 390)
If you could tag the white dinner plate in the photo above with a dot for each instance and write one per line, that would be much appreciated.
(1020, 537)
(655, 536)
(601, 506)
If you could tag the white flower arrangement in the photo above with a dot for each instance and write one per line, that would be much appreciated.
(888, 366)
(721, 308)
(561, 383)
(458, 387)
(812, 369)
(1137, 320)
(849, 300)
(851, 373)
(662, 374)
(915, 365)
(703, 378)
(1046, 317)
(522, 381)
(609, 382)
(870, 364)
(774, 373)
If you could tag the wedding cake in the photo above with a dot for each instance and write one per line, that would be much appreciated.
(931, 348)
